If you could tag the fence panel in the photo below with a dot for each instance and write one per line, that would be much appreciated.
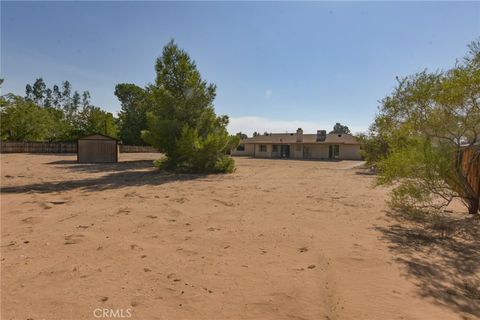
(136, 149)
(471, 167)
(59, 147)
(38, 147)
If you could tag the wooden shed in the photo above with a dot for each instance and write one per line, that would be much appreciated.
(97, 148)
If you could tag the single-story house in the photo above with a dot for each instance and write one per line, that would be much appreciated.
(301, 146)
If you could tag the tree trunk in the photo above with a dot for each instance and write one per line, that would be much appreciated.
(473, 205)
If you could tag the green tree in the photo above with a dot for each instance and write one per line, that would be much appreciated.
(23, 120)
(56, 97)
(95, 120)
(339, 128)
(28, 92)
(183, 123)
(48, 101)
(241, 135)
(72, 115)
(67, 98)
(85, 99)
(374, 143)
(38, 91)
(427, 123)
(132, 117)
(66, 90)
(76, 100)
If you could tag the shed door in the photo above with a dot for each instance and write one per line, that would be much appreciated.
(97, 151)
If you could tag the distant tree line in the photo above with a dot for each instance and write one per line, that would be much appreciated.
(52, 114)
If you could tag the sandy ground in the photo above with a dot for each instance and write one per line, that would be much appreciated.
(278, 239)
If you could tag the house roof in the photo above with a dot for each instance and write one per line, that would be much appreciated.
(332, 138)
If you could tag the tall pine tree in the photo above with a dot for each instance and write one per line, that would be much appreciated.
(183, 123)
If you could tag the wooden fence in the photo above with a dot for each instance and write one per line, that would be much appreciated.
(134, 149)
(38, 147)
(471, 167)
(59, 147)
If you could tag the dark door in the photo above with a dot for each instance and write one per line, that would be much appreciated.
(333, 151)
(285, 151)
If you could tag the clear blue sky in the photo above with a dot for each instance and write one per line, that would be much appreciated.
(276, 65)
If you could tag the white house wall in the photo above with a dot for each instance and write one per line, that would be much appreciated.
(265, 154)
(319, 151)
(299, 151)
(247, 152)
(350, 152)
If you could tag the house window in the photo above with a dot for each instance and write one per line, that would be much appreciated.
(263, 148)
(241, 147)
(275, 148)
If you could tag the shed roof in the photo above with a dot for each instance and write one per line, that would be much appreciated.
(97, 136)
(332, 138)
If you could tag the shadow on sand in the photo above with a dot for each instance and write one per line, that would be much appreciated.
(117, 175)
(445, 268)
(73, 165)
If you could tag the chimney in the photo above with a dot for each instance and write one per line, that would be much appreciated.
(299, 135)
(321, 135)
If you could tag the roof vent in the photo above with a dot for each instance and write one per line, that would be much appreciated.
(321, 135)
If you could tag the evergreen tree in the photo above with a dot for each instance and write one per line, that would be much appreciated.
(183, 123)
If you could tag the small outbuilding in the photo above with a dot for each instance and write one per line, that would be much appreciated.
(97, 148)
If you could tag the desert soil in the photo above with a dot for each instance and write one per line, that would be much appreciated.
(277, 239)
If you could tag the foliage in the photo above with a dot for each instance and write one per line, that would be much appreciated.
(420, 132)
(241, 135)
(56, 97)
(23, 120)
(95, 120)
(182, 122)
(375, 145)
(132, 117)
(52, 114)
(339, 128)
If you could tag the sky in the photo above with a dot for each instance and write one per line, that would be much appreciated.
(277, 65)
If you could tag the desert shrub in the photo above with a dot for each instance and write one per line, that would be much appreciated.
(421, 132)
